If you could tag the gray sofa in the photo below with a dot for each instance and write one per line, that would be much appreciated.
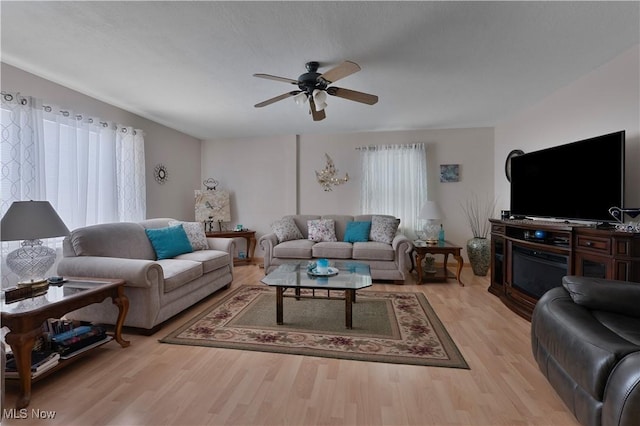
(585, 337)
(386, 261)
(157, 289)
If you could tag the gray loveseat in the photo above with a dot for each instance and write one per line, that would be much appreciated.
(157, 289)
(586, 339)
(387, 260)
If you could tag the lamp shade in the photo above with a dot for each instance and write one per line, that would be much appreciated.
(31, 220)
(300, 98)
(430, 211)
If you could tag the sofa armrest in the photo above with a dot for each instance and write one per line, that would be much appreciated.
(267, 242)
(222, 244)
(402, 247)
(136, 272)
(621, 405)
(621, 297)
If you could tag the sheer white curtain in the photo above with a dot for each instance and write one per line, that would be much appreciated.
(94, 169)
(394, 181)
(90, 170)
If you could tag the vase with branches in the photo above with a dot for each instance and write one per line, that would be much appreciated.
(478, 247)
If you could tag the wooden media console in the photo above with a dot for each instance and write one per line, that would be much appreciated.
(529, 257)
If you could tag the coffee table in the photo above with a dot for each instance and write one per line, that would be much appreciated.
(351, 276)
(24, 319)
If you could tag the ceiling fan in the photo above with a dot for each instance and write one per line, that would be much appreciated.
(313, 86)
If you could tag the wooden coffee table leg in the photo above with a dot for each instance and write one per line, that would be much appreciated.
(348, 307)
(22, 345)
(279, 304)
(122, 302)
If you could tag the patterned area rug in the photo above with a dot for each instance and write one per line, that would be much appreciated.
(399, 328)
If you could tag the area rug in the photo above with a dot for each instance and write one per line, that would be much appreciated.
(399, 328)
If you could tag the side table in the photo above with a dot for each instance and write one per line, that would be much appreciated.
(24, 319)
(441, 247)
(249, 236)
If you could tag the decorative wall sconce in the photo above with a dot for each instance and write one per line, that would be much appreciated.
(327, 177)
(161, 173)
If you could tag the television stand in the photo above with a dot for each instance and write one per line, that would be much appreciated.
(529, 257)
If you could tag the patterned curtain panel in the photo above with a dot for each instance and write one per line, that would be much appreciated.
(21, 150)
(394, 182)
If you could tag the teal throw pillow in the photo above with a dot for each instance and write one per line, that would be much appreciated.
(357, 232)
(169, 242)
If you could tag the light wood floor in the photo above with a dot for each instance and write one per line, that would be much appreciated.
(151, 383)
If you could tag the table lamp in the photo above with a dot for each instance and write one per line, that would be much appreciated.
(29, 221)
(431, 214)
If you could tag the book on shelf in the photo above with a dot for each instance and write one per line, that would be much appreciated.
(85, 348)
(78, 338)
(40, 362)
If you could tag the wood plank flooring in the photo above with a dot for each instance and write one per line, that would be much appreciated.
(150, 383)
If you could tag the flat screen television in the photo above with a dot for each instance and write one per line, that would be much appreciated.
(576, 181)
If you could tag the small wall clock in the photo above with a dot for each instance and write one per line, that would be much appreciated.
(507, 163)
(161, 174)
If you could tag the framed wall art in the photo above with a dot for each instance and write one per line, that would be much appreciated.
(449, 173)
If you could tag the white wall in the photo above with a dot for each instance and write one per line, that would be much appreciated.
(603, 101)
(179, 152)
(261, 173)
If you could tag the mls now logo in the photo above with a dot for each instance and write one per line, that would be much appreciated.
(23, 413)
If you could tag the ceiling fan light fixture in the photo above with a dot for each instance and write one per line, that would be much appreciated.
(315, 87)
(300, 98)
(320, 99)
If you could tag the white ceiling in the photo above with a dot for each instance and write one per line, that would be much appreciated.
(189, 65)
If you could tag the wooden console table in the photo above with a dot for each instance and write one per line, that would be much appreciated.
(441, 247)
(249, 236)
(24, 319)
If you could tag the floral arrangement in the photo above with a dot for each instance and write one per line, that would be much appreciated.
(478, 214)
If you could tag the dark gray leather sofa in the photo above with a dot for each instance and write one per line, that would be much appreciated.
(585, 336)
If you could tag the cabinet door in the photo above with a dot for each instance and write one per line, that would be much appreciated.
(594, 266)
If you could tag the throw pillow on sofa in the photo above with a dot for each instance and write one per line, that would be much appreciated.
(195, 233)
(286, 229)
(169, 242)
(383, 229)
(357, 232)
(322, 230)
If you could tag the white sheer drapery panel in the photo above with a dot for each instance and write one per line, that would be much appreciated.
(131, 184)
(21, 156)
(394, 182)
(80, 169)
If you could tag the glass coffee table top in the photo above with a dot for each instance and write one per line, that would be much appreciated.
(350, 276)
(56, 293)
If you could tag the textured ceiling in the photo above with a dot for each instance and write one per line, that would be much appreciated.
(189, 65)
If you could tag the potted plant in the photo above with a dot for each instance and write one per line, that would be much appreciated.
(478, 247)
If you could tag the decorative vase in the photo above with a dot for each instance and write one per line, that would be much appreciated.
(479, 252)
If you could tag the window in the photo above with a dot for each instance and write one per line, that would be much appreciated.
(394, 181)
(91, 171)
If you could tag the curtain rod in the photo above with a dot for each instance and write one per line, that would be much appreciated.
(374, 147)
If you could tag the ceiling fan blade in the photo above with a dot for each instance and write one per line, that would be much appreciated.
(353, 95)
(276, 78)
(277, 98)
(317, 115)
(341, 71)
